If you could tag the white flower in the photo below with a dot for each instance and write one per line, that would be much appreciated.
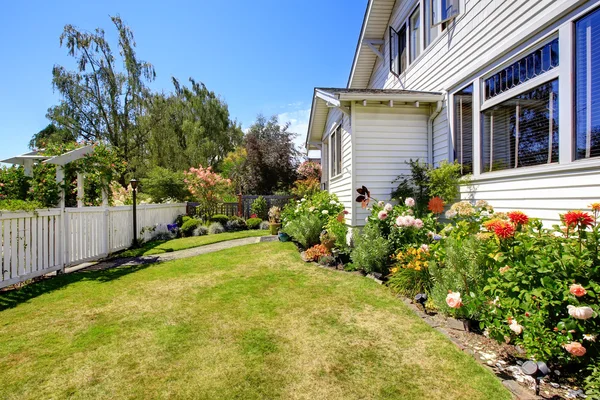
(410, 202)
(400, 221)
(580, 312)
(589, 338)
(380, 203)
(333, 202)
(325, 212)
(485, 214)
(450, 214)
(515, 327)
(297, 211)
(366, 219)
(424, 247)
(311, 209)
(303, 200)
(388, 207)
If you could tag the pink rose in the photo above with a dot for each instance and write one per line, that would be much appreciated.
(453, 300)
(382, 215)
(575, 348)
(424, 247)
(418, 223)
(577, 290)
(580, 312)
(410, 202)
(388, 207)
(515, 327)
(400, 221)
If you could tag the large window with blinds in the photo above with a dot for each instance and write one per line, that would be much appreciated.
(463, 129)
(587, 86)
(522, 131)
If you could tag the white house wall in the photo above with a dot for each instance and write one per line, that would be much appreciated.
(341, 185)
(486, 33)
(384, 139)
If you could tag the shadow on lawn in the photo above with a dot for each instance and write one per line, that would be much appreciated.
(14, 297)
(145, 247)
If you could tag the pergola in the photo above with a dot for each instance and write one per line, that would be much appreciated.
(28, 160)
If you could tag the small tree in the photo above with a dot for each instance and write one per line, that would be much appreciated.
(207, 187)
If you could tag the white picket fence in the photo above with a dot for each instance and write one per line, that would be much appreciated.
(36, 243)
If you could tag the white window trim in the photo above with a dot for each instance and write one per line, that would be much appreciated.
(330, 145)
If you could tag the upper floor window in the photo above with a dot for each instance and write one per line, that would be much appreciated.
(415, 34)
(533, 64)
(430, 30)
(463, 129)
(335, 144)
(587, 86)
(523, 130)
(444, 10)
(398, 59)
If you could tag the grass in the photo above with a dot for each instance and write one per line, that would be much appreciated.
(167, 246)
(252, 322)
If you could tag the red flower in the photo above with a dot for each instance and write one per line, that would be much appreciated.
(436, 205)
(504, 229)
(491, 224)
(578, 218)
(518, 217)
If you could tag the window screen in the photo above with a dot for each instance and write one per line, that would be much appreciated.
(522, 131)
(587, 86)
(463, 129)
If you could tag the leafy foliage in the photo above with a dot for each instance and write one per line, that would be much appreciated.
(162, 184)
(206, 187)
(236, 224)
(371, 250)
(259, 207)
(305, 229)
(189, 226)
(253, 223)
(215, 228)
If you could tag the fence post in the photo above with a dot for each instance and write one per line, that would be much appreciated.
(240, 206)
(66, 235)
(106, 232)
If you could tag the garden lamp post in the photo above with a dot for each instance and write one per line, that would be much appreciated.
(537, 370)
(134, 185)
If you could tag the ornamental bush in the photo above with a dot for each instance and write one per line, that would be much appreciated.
(189, 226)
(371, 250)
(220, 218)
(305, 230)
(253, 223)
(215, 228)
(206, 187)
(236, 224)
(259, 207)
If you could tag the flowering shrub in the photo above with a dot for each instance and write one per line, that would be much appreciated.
(409, 275)
(310, 170)
(316, 252)
(259, 207)
(322, 204)
(206, 186)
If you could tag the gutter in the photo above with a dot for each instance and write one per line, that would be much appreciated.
(432, 117)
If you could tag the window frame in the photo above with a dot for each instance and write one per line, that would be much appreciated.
(419, 47)
(474, 122)
(335, 146)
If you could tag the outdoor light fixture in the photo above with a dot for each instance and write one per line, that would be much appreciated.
(134, 185)
(537, 370)
(421, 298)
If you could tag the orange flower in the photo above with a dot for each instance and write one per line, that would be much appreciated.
(491, 224)
(518, 217)
(504, 229)
(595, 207)
(436, 205)
(578, 219)
(575, 348)
(577, 290)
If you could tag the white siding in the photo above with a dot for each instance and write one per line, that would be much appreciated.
(384, 139)
(341, 185)
(483, 36)
(541, 196)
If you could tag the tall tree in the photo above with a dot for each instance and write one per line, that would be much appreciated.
(51, 134)
(190, 127)
(272, 158)
(104, 97)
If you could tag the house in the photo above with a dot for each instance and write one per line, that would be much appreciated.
(509, 88)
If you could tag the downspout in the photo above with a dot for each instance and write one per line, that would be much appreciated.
(432, 117)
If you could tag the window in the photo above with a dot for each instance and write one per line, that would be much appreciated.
(415, 34)
(535, 63)
(430, 30)
(522, 131)
(398, 50)
(463, 129)
(587, 86)
(444, 10)
(335, 143)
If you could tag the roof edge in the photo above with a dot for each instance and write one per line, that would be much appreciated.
(360, 39)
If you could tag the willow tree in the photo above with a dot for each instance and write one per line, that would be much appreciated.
(103, 98)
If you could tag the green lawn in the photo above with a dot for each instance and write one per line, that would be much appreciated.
(168, 246)
(252, 322)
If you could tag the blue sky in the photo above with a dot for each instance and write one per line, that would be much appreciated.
(260, 56)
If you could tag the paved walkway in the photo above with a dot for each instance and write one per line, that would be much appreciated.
(175, 255)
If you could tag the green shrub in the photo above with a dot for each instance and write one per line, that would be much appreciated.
(201, 231)
(215, 228)
(189, 226)
(162, 184)
(253, 223)
(181, 219)
(444, 181)
(339, 230)
(371, 250)
(20, 205)
(259, 207)
(236, 224)
(305, 230)
(219, 218)
(463, 270)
